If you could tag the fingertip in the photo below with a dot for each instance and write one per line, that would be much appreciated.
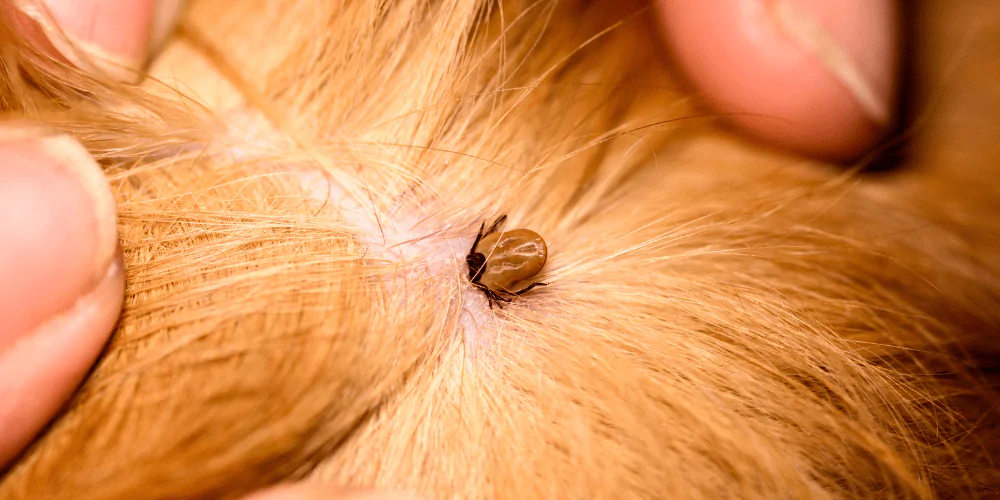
(61, 285)
(168, 13)
(40, 371)
(110, 36)
(814, 76)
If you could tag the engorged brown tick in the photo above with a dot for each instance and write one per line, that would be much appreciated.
(499, 260)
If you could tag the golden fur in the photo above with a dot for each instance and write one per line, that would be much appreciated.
(721, 320)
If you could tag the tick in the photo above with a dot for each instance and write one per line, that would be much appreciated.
(500, 260)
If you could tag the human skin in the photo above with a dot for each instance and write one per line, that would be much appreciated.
(61, 284)
(811, 76)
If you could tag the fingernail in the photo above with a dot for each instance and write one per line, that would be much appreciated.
(106, 36)
(853, 40)
(58, 224)
(168, 13)
(810, 76)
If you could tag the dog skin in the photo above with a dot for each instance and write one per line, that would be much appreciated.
(734, 309)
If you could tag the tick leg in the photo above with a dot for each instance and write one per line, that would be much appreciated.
(495, 298)
(491, 297)
(478, 236)
(529, 287)
(495, 225)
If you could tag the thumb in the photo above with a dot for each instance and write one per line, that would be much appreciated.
(61, 284)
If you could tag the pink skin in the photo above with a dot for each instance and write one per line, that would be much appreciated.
(741, 61)
(89, 21)
(61, 287)
(116, 29)
(40, 205)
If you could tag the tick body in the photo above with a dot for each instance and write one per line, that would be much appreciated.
(501, 260)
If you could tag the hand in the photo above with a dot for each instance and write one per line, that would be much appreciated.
(61, 280)
(814, 76)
